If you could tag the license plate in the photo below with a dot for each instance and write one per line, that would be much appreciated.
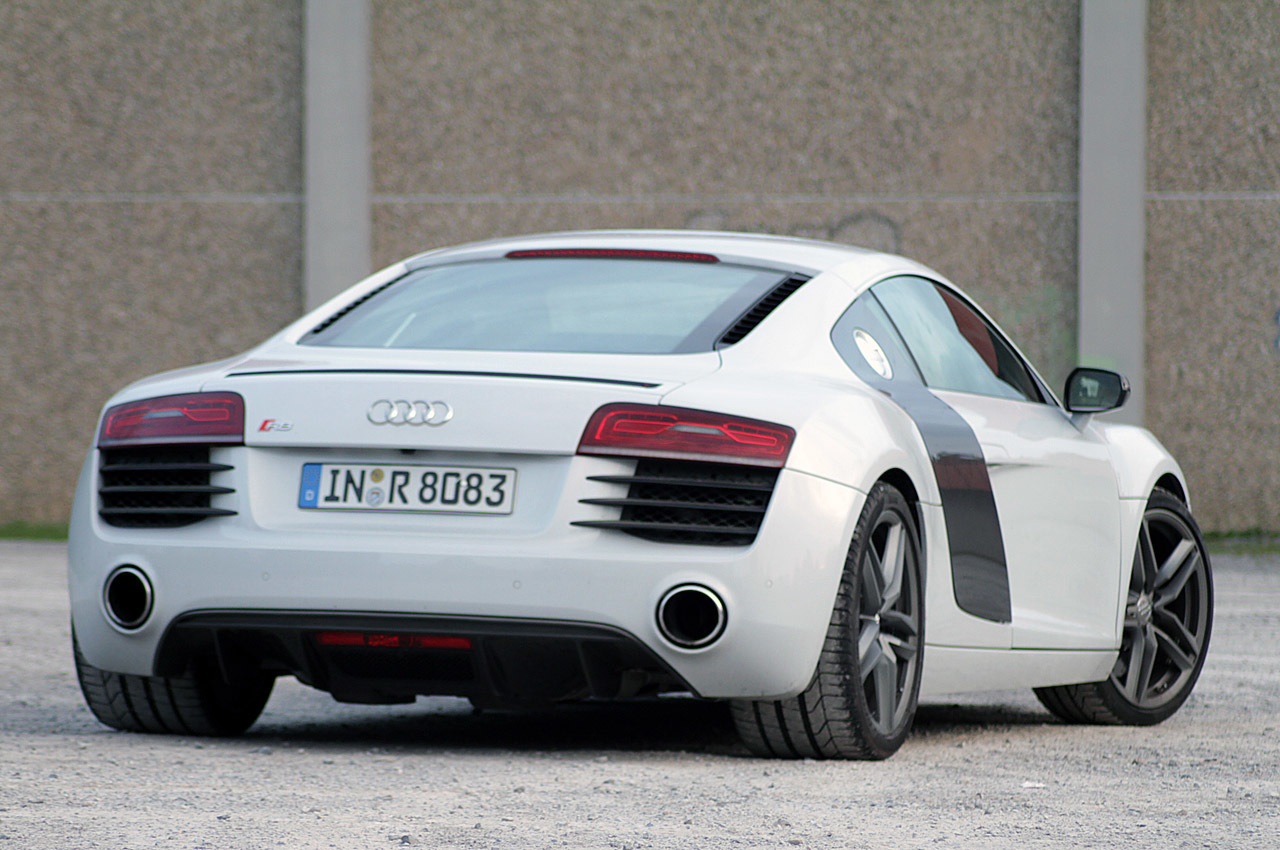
(407, 487)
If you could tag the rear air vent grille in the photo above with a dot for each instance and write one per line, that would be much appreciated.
(158, 487)
(762, 308)
(676, 501)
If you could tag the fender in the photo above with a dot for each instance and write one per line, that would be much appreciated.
(1139, 459)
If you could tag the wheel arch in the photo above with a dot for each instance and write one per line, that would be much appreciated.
(1174, 485)
(900, 480)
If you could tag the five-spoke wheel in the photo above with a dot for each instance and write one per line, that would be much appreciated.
(1167, 620)
(889, 623)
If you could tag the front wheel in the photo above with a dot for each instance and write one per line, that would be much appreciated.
(1167, 620)
(862, 699)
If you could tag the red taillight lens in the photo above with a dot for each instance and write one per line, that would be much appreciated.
(192, 418)
(643, 430)
(392, 641)
(612, 254)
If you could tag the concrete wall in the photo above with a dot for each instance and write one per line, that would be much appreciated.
(1213, 264)
(150, 170)
(151, 178)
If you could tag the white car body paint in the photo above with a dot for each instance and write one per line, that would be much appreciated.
(1056, 493)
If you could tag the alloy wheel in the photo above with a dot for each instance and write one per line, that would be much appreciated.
(889, 623)
(1166, 620)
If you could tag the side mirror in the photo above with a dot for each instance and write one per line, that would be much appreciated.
(1095, 390)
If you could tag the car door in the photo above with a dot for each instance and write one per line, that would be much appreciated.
(1057, 513)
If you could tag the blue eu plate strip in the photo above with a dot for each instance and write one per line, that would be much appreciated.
(309, 492)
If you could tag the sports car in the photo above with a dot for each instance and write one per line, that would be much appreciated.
(812, 480)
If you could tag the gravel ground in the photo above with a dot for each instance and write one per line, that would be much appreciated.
(993, 771)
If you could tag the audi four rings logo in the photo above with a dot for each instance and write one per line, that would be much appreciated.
(387, 412)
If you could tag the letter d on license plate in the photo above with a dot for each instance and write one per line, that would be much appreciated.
(407, 487)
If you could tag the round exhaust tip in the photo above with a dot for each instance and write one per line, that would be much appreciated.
(127, 596)
(691, 616)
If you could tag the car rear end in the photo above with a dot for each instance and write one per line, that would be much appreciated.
(382, 518)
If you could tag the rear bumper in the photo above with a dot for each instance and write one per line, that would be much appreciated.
(492, 661)
(778, 591)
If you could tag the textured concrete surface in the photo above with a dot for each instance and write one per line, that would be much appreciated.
(151, 165)
(1213, 364)
(98, 295)
(775, 97)
(989, 771)
(1213, 96)
(165, 97)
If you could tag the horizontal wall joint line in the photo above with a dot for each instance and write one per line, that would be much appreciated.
(671, 198)
(746, 198)
(1215, 196)
(148, 198)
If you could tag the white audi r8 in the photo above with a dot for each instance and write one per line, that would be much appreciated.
(814, 480)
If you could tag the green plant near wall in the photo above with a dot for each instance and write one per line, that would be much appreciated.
(1242, 543)
(32, 531)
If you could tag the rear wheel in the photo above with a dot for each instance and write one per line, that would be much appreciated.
(862, 699)
(198, 703)
(1167, 620)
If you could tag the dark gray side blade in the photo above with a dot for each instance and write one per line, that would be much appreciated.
(979, 571)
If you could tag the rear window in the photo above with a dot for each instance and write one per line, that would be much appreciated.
(606, 306)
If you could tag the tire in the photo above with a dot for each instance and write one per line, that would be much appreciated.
(862, 698)
(199, 703)
(1167, 622)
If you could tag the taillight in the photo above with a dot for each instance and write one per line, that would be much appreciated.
(190, 418)
(611, 254)
(643, 430)
(392, 641)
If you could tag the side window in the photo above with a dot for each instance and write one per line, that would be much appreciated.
(953, 346)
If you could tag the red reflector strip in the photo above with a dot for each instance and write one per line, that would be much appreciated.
(612, 254)
(191, 418)
(657, 431)
(392, 641)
